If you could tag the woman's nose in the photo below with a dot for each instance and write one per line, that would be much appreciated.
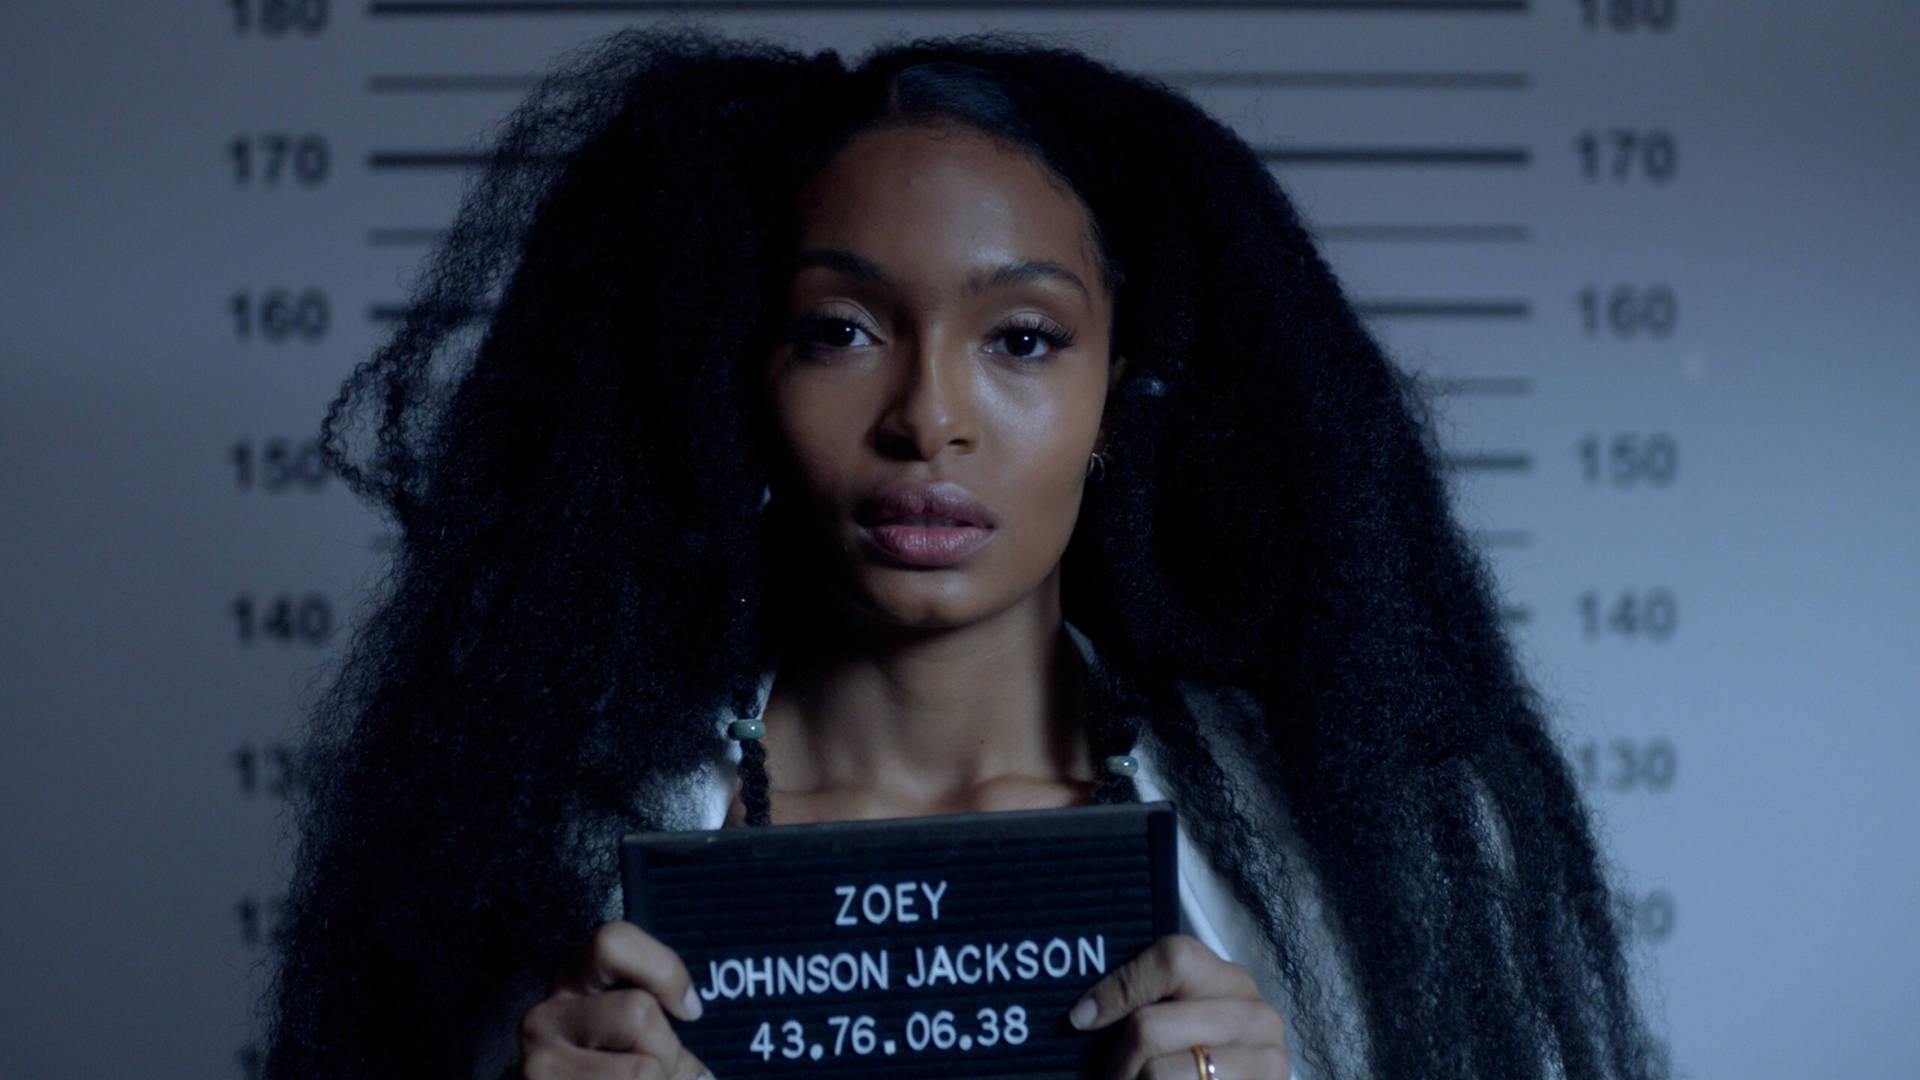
(932, 404)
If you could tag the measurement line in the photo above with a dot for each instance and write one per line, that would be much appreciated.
(455, 84)
(1493, 309)
(592, 7)
(1501, 461)
(1495, 156)
(404, 237)
(1445, 309)
(1505, 157)
(391, 313)
(1502, 538)
(475, 83)
(1434, 234)
(1353, 80)
(1492, 386)
(427, 159)
(1425, 234)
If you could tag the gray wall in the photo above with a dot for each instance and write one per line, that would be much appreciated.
(1699, 492)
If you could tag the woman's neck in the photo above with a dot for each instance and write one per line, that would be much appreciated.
(986, 716)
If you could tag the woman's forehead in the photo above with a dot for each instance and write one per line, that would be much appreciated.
(947, 200)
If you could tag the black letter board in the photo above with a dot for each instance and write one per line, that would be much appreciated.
(947, 946)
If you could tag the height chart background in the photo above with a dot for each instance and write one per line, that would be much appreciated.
(1660, 256)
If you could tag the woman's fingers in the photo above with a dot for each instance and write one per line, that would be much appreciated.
(1176, 966)
(1237, 1027)
(621, 954)
(620, 1020)
(619, 1033)
(610, 1014)
(573, 1063)
(1178, 994)
(1229, 1063)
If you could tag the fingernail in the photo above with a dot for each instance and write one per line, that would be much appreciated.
(691, 1006)
(1082, 1013)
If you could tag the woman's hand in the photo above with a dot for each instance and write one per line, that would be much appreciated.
(1174, 996)
(606, 1016)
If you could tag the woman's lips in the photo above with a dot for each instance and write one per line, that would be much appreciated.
(925, 545)
(924, 524)
(938, 503)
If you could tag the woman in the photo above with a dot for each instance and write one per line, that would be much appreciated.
(973, 429)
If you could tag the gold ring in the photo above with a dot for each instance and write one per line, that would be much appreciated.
(1203, 1063)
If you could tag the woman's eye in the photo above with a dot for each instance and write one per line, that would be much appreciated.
(1020, 340)
(1033, 341)
(821, 333)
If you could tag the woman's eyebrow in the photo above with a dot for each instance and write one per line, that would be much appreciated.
(1018, 272)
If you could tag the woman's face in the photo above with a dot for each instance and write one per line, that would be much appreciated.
(947, 338)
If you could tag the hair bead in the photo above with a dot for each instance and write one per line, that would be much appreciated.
(1121, 765)
(747, 727)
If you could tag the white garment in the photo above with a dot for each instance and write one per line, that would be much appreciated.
(1208, 909)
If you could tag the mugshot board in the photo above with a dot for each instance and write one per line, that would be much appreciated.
(1656, 257)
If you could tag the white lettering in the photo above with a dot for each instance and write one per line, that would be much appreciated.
(878, 904)
(852, 977)
(942, 966)
(1093, 955)
(886, 904)
(729, 990)
(997, 962)
(791, 971)
(967, 964)
(960, 964)
(874, 976)
(1066, 958)
(797, 975)
(1026, 960)
(758, 975)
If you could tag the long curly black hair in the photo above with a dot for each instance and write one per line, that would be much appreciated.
(564, 430)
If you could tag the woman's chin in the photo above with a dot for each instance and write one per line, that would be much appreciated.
(929, 614)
